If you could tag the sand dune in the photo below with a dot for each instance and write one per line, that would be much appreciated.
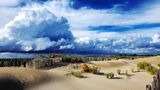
(27, 77)
(137, 80)
(57, 80)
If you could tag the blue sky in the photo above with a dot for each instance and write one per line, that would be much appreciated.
(110, 28)
(80, 26)
(124, 5)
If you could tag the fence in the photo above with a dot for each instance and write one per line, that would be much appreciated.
(29, 62)
(17, 62)
(155, 83)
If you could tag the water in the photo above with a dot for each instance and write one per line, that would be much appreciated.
(17, 55)
(33, 55)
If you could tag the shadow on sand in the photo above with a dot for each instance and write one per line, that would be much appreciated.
(10, 83)
(127, 75)
(101, 73)
(117, 78)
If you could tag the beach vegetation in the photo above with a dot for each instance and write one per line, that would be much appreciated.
(110, 75)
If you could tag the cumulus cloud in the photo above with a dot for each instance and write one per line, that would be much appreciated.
(127, 44)
(35, 29)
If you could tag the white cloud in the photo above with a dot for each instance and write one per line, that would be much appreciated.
(70, 46)
(37, 44)
(156, 38)
(56, 26)
(80, 19)
(8, 3)
(7, 14)
(126, 44)
(35, 29)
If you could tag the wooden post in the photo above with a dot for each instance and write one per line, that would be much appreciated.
(155, 83)
(148, 87)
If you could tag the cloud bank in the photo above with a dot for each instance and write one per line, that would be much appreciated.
(57, 27)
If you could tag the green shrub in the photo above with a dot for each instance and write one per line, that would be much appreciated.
(148, 67)
(159, 65)
(132, 70)
(118, 71)
(126, 73)
(142, 65)
(77, 74)
(76, 66)
(109, 75)
(152, 70)
(94, 69)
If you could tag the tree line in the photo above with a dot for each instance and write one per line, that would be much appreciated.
(17, 62)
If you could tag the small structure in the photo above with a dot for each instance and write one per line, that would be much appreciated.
(43, 62)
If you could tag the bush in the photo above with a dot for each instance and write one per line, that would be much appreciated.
(118, 71)
(75, 66)
(148, 67)
(138, 70)
(126, 73)
(152, 70)
(77, 74)
(109, 75)
(85, 68)
(159, 65)
(132, 70)
(94, 69)
(142, 65)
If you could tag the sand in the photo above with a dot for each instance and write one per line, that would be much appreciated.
(136, 80)
(28, 77)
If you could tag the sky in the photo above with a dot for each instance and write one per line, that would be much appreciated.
(80, 26)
